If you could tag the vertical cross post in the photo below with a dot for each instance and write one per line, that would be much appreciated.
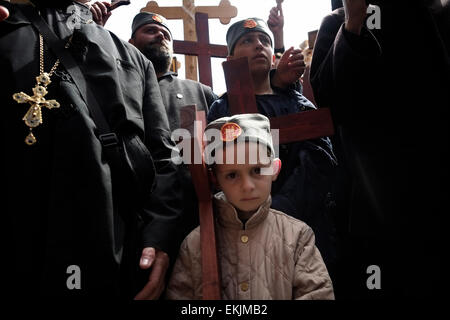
(203, 49)
(195, 122)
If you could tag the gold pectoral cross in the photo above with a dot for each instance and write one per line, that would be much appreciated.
(33, 117)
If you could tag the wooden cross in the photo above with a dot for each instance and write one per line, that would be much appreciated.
(203, 49)
(293, 127)
(225, 11)
(307, 53)
(195, 122)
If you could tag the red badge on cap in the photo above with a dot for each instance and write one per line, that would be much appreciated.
(230, 131)
(157, 18)
(250, 24)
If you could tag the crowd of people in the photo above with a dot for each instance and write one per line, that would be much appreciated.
(90, 181)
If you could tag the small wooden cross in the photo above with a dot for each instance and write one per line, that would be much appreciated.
(224, 11)
(210, 265)
(203, 49)
(293, 127)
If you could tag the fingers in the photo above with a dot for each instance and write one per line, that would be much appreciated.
(274, 18)
(4, 13)
(274, 12)
(281, 10)
(95, 15)
(100, 12)
(147, 258)
(292, 64)
(156, 282)
(285, 57)
(102, 7)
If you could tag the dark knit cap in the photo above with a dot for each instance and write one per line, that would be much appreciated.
(143, 18)
(238, 29)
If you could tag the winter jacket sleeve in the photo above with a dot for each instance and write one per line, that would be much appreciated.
(312, 281)
(185, 281)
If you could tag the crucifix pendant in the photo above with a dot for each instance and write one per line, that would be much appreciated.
(33, 117)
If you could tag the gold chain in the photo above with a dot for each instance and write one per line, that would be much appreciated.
(41, 58)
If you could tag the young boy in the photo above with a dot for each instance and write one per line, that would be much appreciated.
(263, 253)
(303, 188)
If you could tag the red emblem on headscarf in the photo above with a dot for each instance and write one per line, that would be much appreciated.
(250, 24)
(230, 131)
(157, 18)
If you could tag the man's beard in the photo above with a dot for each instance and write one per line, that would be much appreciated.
(59, 4)
(160, 56)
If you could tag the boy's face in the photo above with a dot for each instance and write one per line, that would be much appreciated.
(256, 46)
(243, 184)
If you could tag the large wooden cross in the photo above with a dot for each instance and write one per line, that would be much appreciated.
(225, 11)
(202, 48)
(195, 122)
(293, 127)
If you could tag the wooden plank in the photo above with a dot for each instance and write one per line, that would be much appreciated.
(240, 91)
(304, 125)
(292, 127)
(210, 264)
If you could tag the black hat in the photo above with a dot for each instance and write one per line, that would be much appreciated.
(238, 29)
(143, 18)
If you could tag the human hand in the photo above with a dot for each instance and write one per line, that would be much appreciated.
(4, 13)
(290, 68)
(159, 262)
(276, 24)
(100, 12)
(355, 15)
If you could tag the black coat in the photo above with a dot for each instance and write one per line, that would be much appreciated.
(63, 206)
(388, 92)
(178, 93)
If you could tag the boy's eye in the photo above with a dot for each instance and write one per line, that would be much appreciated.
(257, 170)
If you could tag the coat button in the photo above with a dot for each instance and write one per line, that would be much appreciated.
(179, 96)
(244, 286)
(244, 239)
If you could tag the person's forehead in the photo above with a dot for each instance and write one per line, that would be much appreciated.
(243, 154)
(149, 26)
(254, 34)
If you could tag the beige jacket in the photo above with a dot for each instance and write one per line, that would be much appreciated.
(272, 256)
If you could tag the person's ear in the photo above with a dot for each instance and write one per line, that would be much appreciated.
(276, 168)
(131, 40)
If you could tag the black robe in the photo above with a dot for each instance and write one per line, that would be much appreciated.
(389, 99)
(63, 206)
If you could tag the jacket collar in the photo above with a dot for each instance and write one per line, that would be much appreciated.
(168, 74)
(227, 216)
